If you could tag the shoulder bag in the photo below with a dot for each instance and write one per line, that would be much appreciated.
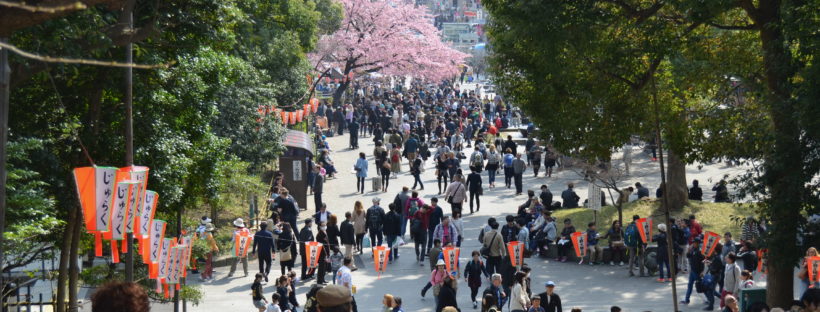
(485, 250)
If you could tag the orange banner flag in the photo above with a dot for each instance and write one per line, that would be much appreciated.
(516, 251)
(382, 254)
(579, 241)
(710, 240)
(312, 251)
(451, 258)
(645, 229)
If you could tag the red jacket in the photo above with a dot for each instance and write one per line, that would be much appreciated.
(423, 216)
(695, 229)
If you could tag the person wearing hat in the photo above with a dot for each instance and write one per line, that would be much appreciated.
(305, 235)
(239, 229)
(550, 301)
(208, 274)
(335, 298)
(696, 266)
(202, 224)
(436, 279)
(662, 253)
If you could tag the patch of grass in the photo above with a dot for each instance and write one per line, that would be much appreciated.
(715, 217)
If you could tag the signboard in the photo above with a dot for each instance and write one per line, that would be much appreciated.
(594, 197)
(297, 170)
(313, 250)
(451, 258)
(710, 240)
(579, 241)
(380, 260)
(516, 251)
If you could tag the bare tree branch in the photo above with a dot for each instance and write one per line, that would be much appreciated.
(50, 59)
(734, 27)
(43, 9)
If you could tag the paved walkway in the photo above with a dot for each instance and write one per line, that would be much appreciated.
(591, 288)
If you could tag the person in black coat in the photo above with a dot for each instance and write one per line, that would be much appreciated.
(354, 133)
(287, 209)
(322, 238)
(447, 295)
(550, 301)
(546, 197)
(695, 192)
(392, 230)
(263, 239)
(348, 235)
(305, 235)
(474, 186)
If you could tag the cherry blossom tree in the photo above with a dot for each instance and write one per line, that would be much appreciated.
(389, 37)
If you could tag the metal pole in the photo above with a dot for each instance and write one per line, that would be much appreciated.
(665, 201)
(129, 140)
(5, 81)
(179, 237)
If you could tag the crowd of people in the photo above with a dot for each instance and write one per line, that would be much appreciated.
(436, 125)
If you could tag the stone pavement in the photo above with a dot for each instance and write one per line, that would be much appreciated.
(593, 288)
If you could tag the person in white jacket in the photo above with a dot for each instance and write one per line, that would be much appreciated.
(519, 300)
(731, 277)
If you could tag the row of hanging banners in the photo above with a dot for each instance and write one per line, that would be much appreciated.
(115, 202)
(289, 118)
(710, 241)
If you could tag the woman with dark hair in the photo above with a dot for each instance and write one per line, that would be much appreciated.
(447, 295)
(384, 169)
(519, 300)
(616, 243)
(322, 238)
(359, 223)
(441, 170)
(285, 244)
(333, 232)
(361, 172)
(119, 296)
(472, 273)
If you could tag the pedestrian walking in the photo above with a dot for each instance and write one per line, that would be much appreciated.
(493, 160)
(318, 186)
(473, 271)
(508, 167)
(384, 170)
(359, 224)
(305, 235)
(419, 222)
(213, 250)
(347, 233)
(361, 173)
(286, 245)
(549, 299)
(392, 231)
(239, 229)
(662, 253)
(259, 301)
(375, 222)
(493, 243)
(474, 186)
(263, 239)
(635, 247)
(519, 166)
(456, 194)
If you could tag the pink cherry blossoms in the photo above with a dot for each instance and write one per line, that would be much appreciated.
(390, 37)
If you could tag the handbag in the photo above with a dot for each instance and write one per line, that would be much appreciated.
(450, 197)
(485, 250)
(285, 255)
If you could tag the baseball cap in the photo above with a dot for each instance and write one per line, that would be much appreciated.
(549, 284)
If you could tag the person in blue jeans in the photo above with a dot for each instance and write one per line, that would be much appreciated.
(695, 267)
(662, 253)
(710, 279)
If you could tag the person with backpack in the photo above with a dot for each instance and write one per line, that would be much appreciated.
(395, 160)
(401, 200)
(374, 223)
(477, 161)
(635, 247)
(419, 223)
(535, 154)
(474, 186)
(493, 158)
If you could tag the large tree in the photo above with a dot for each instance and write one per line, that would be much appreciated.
(734, 78)
(396, 38)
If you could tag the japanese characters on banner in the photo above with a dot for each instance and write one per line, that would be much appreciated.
(813, 266)
(149, 209)
(95, 189)
(451, 258)
(136, 194)
(188, 242)
(154, 254)
(380, 260)
(710, 240)
(165, 251)
(313, 250)
(516, 251)
(645, 229)
(241, 242)
(579, 241)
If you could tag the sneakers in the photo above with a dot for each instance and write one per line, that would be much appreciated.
(660, 280)
(622, 263)
(684, 302)
(668, 279)
(613, 262)
(475, 304)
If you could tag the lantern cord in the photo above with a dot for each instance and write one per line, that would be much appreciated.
(74, 133)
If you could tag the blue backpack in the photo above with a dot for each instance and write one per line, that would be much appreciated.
(631, 238)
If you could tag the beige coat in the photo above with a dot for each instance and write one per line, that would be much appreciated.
(497, 249)
(359, 223)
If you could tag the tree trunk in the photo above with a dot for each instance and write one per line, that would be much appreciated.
(783, 176)
(340, 91)
(676, 182)
(65, 254)
(74, 269)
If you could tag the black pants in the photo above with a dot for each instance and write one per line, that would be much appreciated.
(385, 181)
(360, 184)
(286, 266)
(477, 201)
(442, 174)
(430, 237)
(473, 293)
(359, 238)
(417, 180)
(518, 182)
(508, 175)
(494, 265)
(535, 169)
(564, 250)
(420, 240)
(317, 199)
(455, 207)
(322, 270)
(354, 140)
(304, 262)
(264, 263)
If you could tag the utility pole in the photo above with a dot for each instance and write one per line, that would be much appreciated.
(129, 138)
(665, 201)
(5, 82)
